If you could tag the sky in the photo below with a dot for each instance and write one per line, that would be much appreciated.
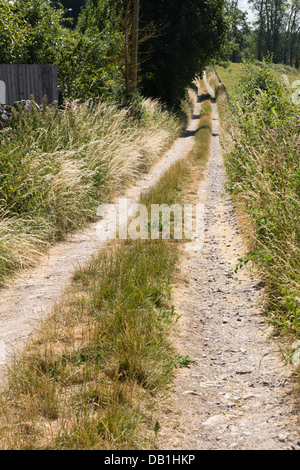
(243, 5)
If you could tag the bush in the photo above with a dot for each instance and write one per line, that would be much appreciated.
(33, 31)
(264, 169)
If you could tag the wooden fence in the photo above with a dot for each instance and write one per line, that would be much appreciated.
(19, 82)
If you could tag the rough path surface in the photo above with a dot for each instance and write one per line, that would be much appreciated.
(234, 397)
(29, 298)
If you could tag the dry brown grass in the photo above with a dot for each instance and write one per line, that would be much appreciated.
(65, 165)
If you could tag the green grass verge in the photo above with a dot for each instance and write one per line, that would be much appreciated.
(233, 73)
(260, 137)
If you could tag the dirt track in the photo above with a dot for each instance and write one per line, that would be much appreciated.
(227, 400)
(33, 294)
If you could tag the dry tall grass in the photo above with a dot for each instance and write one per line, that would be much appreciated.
(55, 169)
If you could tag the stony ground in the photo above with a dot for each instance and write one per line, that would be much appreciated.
(240, 394)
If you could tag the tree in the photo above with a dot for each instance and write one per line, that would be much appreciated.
(190, 34)
(133, 81)
(99, 54)
(129, 17)
(72, 7)
(277, 30)
(32, 32)
(161, 49)
(111, 22)
(270, 25)
(291, 36)
(238, 30)
(118, 20)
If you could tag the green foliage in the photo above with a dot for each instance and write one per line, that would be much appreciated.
(276, 30)
(87, 58)
(31, 32)
(264, 169)
(72, 7)
(260, 81)
(13, 37)
(186, 37)
(238, 31)
(178, 40)
(87, 69)
(96, 63)
(183, 361)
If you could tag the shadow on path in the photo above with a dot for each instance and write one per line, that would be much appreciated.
(200, 99)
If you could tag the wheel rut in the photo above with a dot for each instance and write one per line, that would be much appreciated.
(239, 394)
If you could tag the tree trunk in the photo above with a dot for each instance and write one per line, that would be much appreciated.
(135, 48)
(260, 32)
